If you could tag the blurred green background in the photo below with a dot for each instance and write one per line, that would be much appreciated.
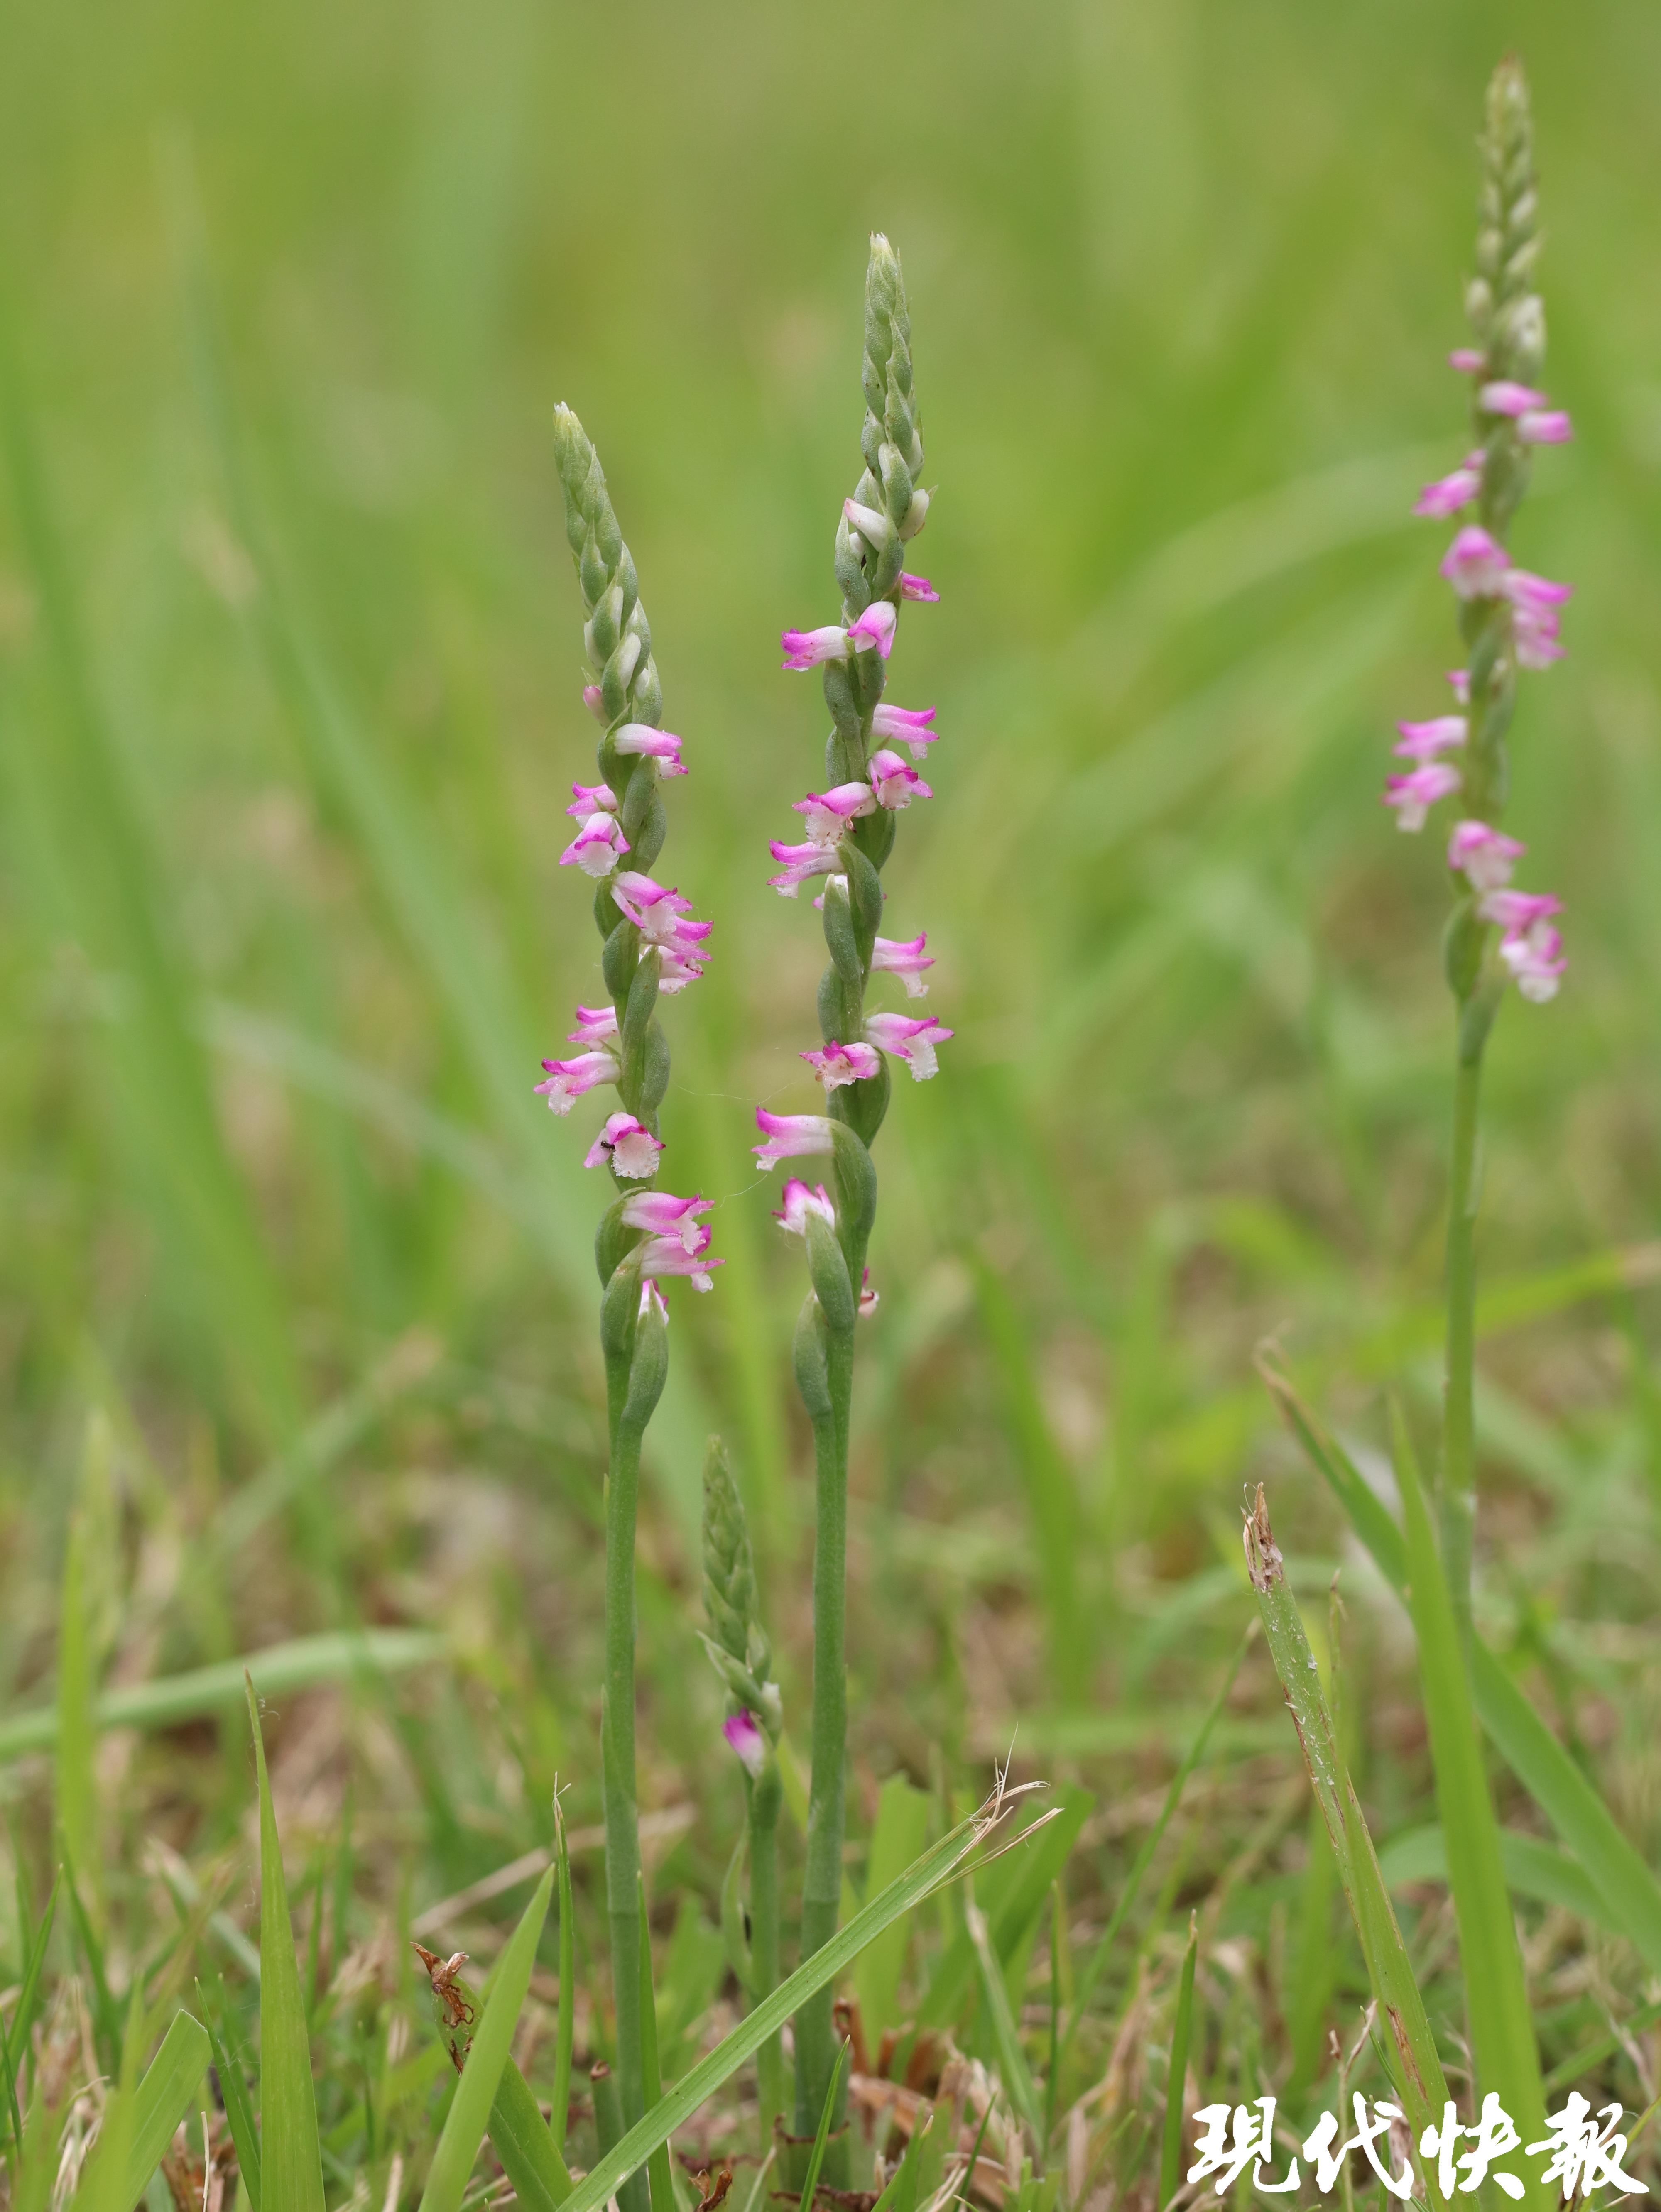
(290, 665)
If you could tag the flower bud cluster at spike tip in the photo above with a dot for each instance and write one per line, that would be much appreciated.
(1510, 619)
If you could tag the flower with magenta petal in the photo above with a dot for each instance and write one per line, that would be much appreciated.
(1535, 957)
(588, 798)
(911, 1040)
(875, 630)
(1476, 564)
(1518, 912)
(567, 1079)
(906, 726)
(918, 587)
(595, 1025)
(1413, 795)
(799, 1200)
(627, 1148)
(1469, 359)
(1507, 397)
(869, 1300)
(798, 864)
(828, 813)
(807, 648)
(894, 782)
(660, 914)
(1451, 492)
(835, 1064)
(905, 958)
(662, 1214)
(1483, 854)
(790, 1136)
(741, 1731)
(668, 1255)
(1545, 426)
(598, 846)
(1422, 741)
(660, 745)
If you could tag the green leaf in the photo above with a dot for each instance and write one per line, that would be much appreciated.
(1517, 1731)
(810, 2180)
(1534, 1869)
(1012, 2059)
(1496, 1990)
(1012, 1911)
(239, 2110)
(275, 1671)
(291, 2157)
(1182, 2035)
(519, 2135)
(16, 2042)
(481, 2077)
(674, 2111)
(163, 2098)
(898, 1835)
(565, 2020)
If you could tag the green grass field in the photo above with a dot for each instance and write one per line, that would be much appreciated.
(296, 1299)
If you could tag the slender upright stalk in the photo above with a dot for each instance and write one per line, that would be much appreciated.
(850, 834)
(766, 1794)
(648, 949)
(1508, 620)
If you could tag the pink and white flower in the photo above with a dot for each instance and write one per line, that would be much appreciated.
(918, 587)
(894, 782)
(1422, 741)
(800, 1199)
(595, 1025)
(828, 813)
(1476, 564)
(660, 914)
(905, 726)
(835, 1064)
(1456, 489)
(875, 630)
(678, 968)
(741, 1731)
(911, 1040)
(1535, 631)
(598, 846)
(1534, 956)
(805, 649)
(1507, 397)
(904, 957)
(1460, 679)
(588, 798)
(651, 1301)
(1545, 426)
(1469, 359)
(668, 1255)
(790, 1136)
(1413, 795)
(662, 1214)
(595, 700)
(567, 1079)
(799, 864)
(869, 1300)
(1483, 854)
(872, 526)
(1519, 912)
(1534, 593)
(660, 745)
(627, 1148)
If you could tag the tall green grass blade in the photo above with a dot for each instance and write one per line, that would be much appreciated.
(104, 2178)
(1409, 2049)
(1496, 1989)
(898, 1836)
(1534, 1869)
(239, 2108)
(1182, 2033)
(162, 2099)
(1314, 1962)
(274, 1672)
(1052, 1494)
(106, 2014)
(1515, 1730)
(671, 2111)
(1102, 1953)
(74, 1789)
(565, 2017)
(291, 2157)
(1012, 2059)
(14, 2042)
(519, 2135)
(36, 2171)
(487, 2055)
(1012, 1911)
(810, 2180)
(168, 1118)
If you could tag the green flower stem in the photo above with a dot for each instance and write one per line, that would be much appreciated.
(766, 1794)
(1458, 1499)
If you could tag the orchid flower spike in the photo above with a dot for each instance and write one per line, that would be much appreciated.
(567, 1079)
(894, 782)
(799, 1200)
(627, 1146)
(642, 741)
(598, 846)
(789, 1136)
(835, 1064)
(911, 1040)
(906, 959)
(1413, 795)
(908, 726)
(744, 1734)
(661, 1214)
(1482, 855)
